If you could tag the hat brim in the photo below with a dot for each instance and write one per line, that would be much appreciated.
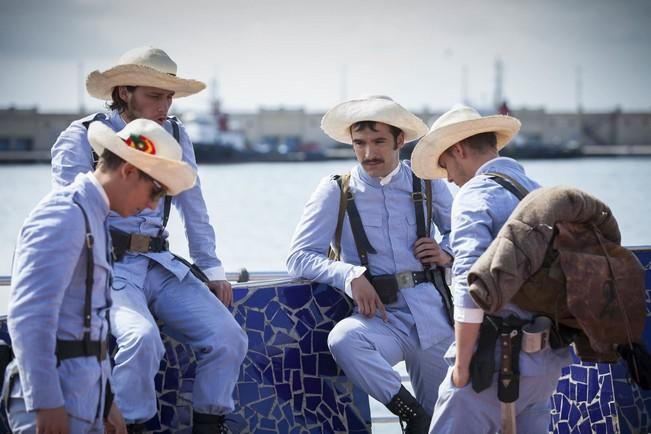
(177, 176)
(337, 121)
(100, 84)
(426, 154)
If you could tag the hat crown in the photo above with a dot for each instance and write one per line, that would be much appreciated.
(458, 113)
(149, 137)
(151, 57)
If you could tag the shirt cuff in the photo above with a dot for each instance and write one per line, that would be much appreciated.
(469, 315)
(354, 273)
(215, 273)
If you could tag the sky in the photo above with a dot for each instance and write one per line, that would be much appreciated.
(310, 54)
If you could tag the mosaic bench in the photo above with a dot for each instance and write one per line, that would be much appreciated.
(290, 384)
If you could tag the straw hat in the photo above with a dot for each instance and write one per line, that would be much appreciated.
(150, 148)
(337, 121)
(457, 124)
(143, 66)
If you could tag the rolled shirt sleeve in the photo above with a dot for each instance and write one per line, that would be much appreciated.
(472, 222)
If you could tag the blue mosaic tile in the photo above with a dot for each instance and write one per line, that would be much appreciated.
(320, 342)
(254, 320)
(282, 320)
(309, 364)
(261, 298)
(256, 340)
(306, 343)
(579, 374)
(327, 366)
(302, 330)
(292, 359)
(248, 392)
(306, 316)
(295, 297)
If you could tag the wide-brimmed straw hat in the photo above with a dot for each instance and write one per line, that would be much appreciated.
(452, 127)
(150, 148)
(142, 66)
(337, 121)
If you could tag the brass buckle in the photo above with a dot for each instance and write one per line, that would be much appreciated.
(139, 243)
(405, 279)
(418, 196)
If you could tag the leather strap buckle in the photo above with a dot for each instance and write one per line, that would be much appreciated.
(405, 279)
(139, 243)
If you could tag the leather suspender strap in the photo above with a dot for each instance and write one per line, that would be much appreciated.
(90, 266)
(342, 181)
(362, 243)
(509, 183)
(167, 205)
(418, 198)
(97, 117)
(437, 273)
(428, 205)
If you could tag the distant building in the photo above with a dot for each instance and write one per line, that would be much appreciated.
(27, 135)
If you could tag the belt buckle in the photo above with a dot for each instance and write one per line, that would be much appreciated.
(405, 280)
(139, 243)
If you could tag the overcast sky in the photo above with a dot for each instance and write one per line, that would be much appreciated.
(313, 54)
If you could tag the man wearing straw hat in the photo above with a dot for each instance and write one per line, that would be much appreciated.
(399, 315)
(147, 276)
(61, 281)
(463, 146)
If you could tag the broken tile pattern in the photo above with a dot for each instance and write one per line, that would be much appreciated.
(289, 383)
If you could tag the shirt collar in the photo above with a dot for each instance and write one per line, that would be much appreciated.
(387, 179)
(102, 192)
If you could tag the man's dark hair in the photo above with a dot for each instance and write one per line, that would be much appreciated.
(109, 161)
(118, 103)
(482, 142)
(372, 125)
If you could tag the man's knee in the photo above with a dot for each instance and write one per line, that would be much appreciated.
(144, 340)
(229, 343)
(342, 338)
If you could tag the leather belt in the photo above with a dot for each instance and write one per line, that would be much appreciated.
(124, 242)
(388, 285)
(73, 349)
(405, 279)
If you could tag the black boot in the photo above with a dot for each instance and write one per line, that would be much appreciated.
(203, 423)
(136, 428)
(413, 417)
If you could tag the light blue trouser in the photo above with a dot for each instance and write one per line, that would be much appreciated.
(191, 314)
(24, 422)
(368, 348)
(462, 410)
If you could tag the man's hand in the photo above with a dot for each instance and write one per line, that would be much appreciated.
(52, 421)
(366, 298)
(222, 289)
(429, 252)
(114, 423)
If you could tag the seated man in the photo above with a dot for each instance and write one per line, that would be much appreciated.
(386, 250)
(149, 280)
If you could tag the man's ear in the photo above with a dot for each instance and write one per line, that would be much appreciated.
(128, 170)
(458, 150)
(123, 93)
(400, 140)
